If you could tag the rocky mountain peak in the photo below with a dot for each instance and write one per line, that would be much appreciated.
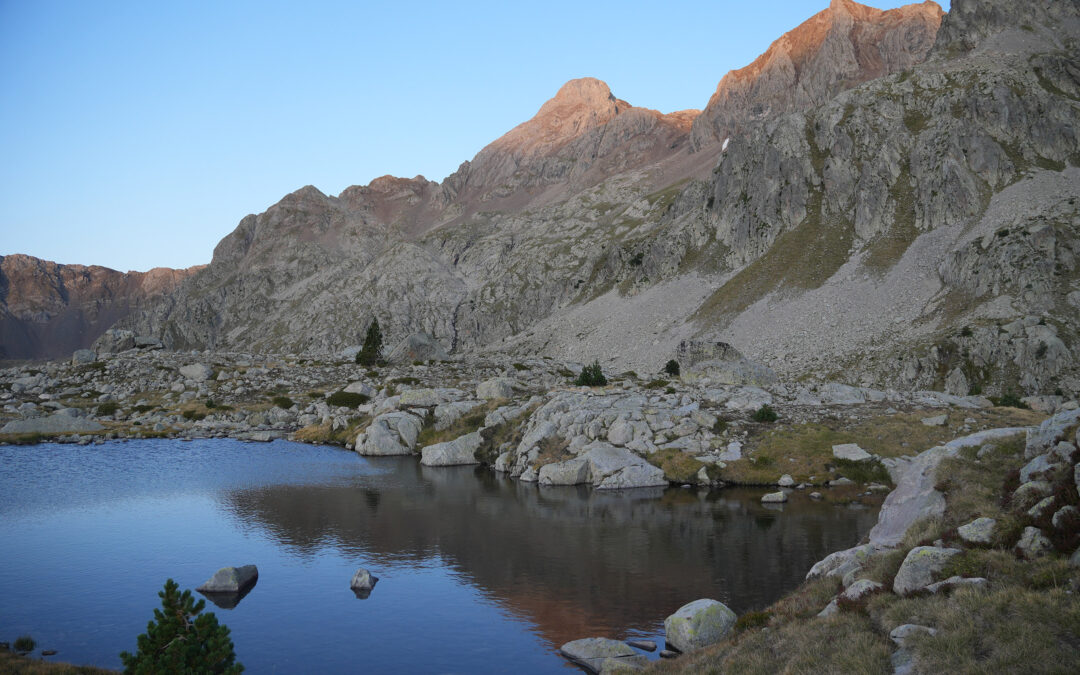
(578, 106)
(836, 49)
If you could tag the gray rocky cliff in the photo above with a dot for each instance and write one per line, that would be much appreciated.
(885, 232)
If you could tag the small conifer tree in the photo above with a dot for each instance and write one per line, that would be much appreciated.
(591, 376)
(672, 368)
(181, 640)
(371, 353)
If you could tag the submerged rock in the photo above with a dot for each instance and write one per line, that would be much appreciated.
(594, 654)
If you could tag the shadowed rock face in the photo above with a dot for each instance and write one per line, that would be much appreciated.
(49, 310)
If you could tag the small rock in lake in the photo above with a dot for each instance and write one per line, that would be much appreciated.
(362, 583)
(48, 652)
(668, 654)
(774, 498)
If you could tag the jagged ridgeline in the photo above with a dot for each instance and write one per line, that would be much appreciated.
(884, 197)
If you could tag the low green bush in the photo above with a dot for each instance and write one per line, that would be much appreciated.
(282, 402)
(591, 376)
(765, 414)
(107, 408)
(347, 399)
(24, 644)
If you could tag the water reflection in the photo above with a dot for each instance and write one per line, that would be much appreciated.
(573, 561)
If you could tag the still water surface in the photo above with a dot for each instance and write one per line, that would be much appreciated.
(477, 573)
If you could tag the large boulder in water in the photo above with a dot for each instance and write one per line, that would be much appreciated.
(417, 347)
(698, 624)
(453, 453)
(230, 585)
(231, 580)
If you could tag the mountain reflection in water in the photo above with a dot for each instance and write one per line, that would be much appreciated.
(575, 561)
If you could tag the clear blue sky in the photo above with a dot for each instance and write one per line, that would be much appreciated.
(138, 134)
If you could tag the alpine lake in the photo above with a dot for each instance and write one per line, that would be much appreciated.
(477, 572)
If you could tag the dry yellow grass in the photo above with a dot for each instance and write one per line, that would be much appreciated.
(25, 665)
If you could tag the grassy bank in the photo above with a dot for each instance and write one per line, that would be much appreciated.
(1025, 619)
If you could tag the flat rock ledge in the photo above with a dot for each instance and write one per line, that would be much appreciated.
(598, 655)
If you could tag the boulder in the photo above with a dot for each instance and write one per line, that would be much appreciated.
(1031, 492)
(957, 582)
(417, 347)
(936, 421)
(199, 372)
(457, 452)
(148, 342)
(978, 531)
(349, 353)
(1064, 516)
(114, 340)
(913, 498)
(774, 498)
(53, 424)
(362, 583)
(861, 588)
(835, 393)
(391, 433)
(786, 481)
(606, 467)
(1033, 544)
(850, 452)
(838, 564)
(448, 413)
(231, 580)
(920, 567)
(1042, 439)
(1038, 467)
(594, 654)
(497, 388)
(83, 356)
(360, 387)
(901, 635)
(698, 624)
(738, 372)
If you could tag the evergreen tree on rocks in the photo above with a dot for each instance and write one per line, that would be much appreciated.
(371, 353)
(182, 640)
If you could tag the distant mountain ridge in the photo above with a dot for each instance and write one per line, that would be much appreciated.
(49, 309)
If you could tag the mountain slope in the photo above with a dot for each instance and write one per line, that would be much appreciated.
(49, 310)
(561, 209)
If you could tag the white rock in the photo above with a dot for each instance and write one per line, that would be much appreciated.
(850, 452)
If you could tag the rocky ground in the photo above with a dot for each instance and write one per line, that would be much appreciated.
(711, 426)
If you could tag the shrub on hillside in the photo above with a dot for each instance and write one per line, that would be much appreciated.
(347, 399)
(591, 376)
(765, 414)
(672, 368)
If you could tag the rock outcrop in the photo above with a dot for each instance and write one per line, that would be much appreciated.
(49, 310)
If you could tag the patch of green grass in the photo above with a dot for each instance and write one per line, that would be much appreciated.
(466, 424)
(678, 466)
(193, 415)
(408, 381)
(657, 384)
(107, 408)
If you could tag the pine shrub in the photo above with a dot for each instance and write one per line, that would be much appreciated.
(182, 640)
(591, 376)
(672, 368)
(371, 353)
